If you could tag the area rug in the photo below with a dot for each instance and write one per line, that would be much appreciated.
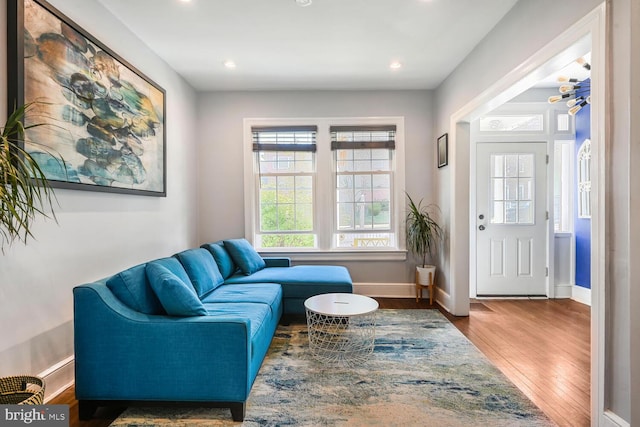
(423, 372)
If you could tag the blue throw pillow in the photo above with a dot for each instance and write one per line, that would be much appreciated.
(244, 255)
(174, 266)
(132, 287)
(222, 257)
(201, 269)
(177, 297)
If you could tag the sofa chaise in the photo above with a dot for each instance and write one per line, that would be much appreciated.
(191, 329)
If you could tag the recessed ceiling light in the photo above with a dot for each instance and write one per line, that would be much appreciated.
(304, 3)
(395, 65)
(229, 64)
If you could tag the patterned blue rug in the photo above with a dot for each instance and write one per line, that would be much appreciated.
(423, 372)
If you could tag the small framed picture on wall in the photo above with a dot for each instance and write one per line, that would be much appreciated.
(443, 150)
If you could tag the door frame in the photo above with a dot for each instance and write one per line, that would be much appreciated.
(549, 135)
(538, 66)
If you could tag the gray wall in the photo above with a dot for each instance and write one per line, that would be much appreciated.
(220, 191)
(98, 233)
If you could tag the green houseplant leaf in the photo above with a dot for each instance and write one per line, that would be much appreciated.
(25, 192)
(422, 230)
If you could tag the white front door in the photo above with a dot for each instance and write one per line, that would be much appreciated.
(511, 222)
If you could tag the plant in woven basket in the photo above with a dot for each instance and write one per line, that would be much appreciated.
(25, 192)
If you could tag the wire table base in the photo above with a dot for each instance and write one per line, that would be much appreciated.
(347, 340)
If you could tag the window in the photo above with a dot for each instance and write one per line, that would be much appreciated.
(512, 188)
(286, 167)
(325, 186)
(512, 123)
(363, 157)
(563, 183)
(584, 180)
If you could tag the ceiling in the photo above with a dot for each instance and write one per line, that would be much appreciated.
(330, 44)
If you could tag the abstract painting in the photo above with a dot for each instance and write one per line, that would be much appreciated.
(105, 119)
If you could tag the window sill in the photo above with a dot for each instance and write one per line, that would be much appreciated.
(340, 255)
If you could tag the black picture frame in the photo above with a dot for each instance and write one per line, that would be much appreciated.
(106, 119)
(443, 150)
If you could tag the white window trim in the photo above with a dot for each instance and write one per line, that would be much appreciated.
(325, 194)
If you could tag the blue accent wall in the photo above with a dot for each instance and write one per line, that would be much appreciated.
(582, 226)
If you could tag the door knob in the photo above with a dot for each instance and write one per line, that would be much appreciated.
(481, 216)
(481, 228)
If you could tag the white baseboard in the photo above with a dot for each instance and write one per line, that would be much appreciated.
(58, 378)
(610, 419)
(443, 298)
(385, 290)
(582, 295)
(563, 291)
(400, 290)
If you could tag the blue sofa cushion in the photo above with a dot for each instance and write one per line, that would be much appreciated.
(201, 269)
(244, 255)
(258, 314)
(301, 281)
(222, 258)
(266, 293)
(132, 288)
(177, 296)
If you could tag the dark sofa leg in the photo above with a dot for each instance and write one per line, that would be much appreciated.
(238, 410)
(86, 409)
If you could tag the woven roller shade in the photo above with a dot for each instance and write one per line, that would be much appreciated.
(284, 138)
(363, 137)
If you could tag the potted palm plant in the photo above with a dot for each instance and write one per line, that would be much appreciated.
(422, 234)
(25, 192)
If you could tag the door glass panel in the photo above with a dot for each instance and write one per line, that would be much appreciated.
(525, 212)
(511, 189)
(525, 189)
(525, 164)
(497, 165)
(498, 189)
(512, 196)
(511, 165)
(511, 212)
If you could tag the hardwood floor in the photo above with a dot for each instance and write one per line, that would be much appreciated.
(542, 346)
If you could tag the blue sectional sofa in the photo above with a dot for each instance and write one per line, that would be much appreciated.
(191, 329)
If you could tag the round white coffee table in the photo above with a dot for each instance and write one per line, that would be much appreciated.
(341, 327)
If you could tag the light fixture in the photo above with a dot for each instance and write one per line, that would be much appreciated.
(395, 65)
(304, 3)
(584, 63)
(573, 110)
(229, 64)
(577, 92)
